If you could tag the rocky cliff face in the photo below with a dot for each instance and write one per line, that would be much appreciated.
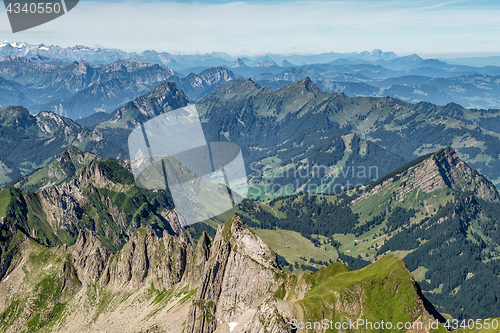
(441, 170)
(101, 196)
(241, 273)
(457, 174)
(199, 85)
(166, 284)
(89, 256)
(147, 259)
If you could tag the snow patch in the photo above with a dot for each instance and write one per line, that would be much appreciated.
(232, 326)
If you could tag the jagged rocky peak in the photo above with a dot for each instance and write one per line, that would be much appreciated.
(150, 283)
(63, 168)
(239, 63)
(216, 74)
(103, 174)
(433, 172)
(16, 116)
(456, 174)
(240, 275)
(211, 77)
(89, 255)
(303, 87)
(246, 242)
(74, 155)
(164, 91)
(52, 123)
(149, 259)
(165, 97)
(81, 68)
(308, 84)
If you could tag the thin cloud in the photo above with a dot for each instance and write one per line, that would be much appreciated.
(442, 4)
(308, 26)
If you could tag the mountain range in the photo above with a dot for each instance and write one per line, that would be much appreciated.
(436, 213)
(128, 75)
(90, 248)
(164, 283)
(177, 62)
(78, 252)
(305, 127)
(80, 89)
(89, 239)
(380, 220)
(349, 141)
(359, 207)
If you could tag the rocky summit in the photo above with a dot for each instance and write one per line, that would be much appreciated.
(164, 283)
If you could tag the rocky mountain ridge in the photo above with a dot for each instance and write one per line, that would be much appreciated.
(171, 286)
(81, 89)
(34, 141)
(443, 169)
(401, 128)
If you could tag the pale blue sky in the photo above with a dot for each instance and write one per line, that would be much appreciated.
(429, 28)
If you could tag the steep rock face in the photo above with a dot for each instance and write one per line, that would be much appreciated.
(151, 285)
(460, 176)
(196, 267)
(441, 170)
(147, 258)
(90, 256)
(63, 205)
(241, 274)
(101, 197)
(199, 85)
(63, 168)
(164, 98)
(69, 159)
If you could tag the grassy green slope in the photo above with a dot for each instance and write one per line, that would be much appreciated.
(385, 288)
